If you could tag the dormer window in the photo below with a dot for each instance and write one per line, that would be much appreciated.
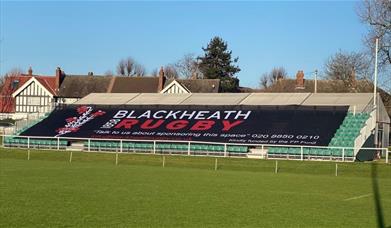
(15, 84)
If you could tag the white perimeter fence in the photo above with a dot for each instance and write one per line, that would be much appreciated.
(191, 148)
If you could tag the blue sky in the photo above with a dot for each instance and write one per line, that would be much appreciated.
(93, 36)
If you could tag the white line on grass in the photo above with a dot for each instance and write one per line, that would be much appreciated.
(358, 197)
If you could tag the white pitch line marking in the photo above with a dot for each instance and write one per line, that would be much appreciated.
(357, 197)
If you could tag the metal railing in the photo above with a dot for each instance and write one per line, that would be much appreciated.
(189, 148)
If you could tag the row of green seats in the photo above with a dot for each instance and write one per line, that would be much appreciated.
(25, 141)
(166, 146)
(349, 130)
(308, 151)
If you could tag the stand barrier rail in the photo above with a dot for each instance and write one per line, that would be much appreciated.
(193, 148)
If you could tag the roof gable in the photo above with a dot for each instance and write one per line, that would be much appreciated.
(175, 84)
(29, 82)
(199, 85)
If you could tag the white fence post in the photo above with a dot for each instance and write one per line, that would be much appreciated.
(154, 147)
(225, 150)
(120, 145)
(58, 143)
(28, 142)
(343, 154)
(302, 153)
(89, 145)
(188, 148)
(387, 155)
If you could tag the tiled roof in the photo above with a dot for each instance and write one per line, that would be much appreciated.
(134, 85)
(199, 85)
(77, 86)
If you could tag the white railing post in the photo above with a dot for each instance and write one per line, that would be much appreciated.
(387, 155)
(343, 154)
(120, 145)
(28, 142)
(154, 147)
(58, 143)
(225, 150)
(188, 148)
(302, 153)
(89, 145)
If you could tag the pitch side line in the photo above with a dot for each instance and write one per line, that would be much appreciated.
(358, 197)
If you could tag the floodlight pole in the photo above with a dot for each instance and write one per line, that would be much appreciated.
(375, 76)
(375, 91)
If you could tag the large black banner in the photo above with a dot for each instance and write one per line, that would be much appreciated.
(290, 125)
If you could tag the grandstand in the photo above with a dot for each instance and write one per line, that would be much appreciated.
(336, 126)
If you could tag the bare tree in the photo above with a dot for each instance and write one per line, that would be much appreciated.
(377, 15)
(155, 72)
(139, 70)
(277, 73)
(129, 67)
(268, 79)
(264, 81)
(170, 72)
(342, 66)
(187, 66)
(121, 68)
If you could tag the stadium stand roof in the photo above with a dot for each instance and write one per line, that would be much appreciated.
(158, 99)
(275, 99)
(359, 100)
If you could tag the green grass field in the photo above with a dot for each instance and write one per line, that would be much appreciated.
(48, 191)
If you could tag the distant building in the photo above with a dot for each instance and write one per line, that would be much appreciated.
(30, 93)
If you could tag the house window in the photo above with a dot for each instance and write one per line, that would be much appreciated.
(15, 84)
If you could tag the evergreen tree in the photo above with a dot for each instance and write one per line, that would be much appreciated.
(217, 64)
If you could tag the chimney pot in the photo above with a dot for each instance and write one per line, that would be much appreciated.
(162, 79)
(300, 80)
(59, 77)
(30, 71)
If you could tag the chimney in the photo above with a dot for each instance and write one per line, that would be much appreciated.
(30, 71)
(162, 79)
(300, 80)
(59, 78)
